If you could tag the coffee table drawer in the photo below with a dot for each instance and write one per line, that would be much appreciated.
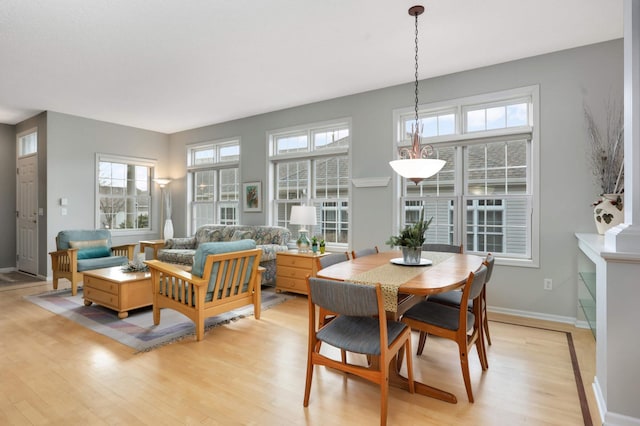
(101, 297)
(100, 284)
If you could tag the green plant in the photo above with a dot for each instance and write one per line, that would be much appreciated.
(412, 235)
(322, 242)
(314, 240)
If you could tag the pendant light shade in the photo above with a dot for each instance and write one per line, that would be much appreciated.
(415, 163)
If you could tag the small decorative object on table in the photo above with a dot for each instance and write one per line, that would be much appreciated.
(411, 240)
(135, 267)
(322, 246)
(314, 244)
(607, 165)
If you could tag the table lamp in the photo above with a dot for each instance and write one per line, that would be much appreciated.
(303, 216)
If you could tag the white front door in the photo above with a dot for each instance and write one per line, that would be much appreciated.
(27, 202)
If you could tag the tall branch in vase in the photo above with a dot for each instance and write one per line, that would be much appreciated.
(607, 149)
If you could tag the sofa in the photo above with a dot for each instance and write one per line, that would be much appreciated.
(271, 239)
(84, 250)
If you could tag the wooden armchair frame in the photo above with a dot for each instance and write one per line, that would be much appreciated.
(184, 292)
(64, 263)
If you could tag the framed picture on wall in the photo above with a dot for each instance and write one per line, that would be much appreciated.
(252, 195)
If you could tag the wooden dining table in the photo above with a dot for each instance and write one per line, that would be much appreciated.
(449, 271)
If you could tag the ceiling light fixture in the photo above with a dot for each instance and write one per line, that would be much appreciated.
(415, 163)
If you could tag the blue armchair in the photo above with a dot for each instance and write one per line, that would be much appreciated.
(85, 250)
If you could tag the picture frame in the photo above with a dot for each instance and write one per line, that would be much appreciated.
(252, 196)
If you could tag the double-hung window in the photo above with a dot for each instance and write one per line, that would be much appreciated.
(485, 197)
(214, 189)
(310, 166)
(124, 192)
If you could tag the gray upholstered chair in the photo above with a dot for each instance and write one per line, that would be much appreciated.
(460, 325)
(361, 327)
(449, 248)
(364, 252)
(331, 259)
(452, 298)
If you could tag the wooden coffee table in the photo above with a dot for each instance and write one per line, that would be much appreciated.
(117, 290)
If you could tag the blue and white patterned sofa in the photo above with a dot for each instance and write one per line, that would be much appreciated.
(271, 239)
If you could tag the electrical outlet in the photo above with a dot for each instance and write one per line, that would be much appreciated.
(548, 284)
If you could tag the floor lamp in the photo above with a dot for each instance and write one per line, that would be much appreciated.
(166, 232)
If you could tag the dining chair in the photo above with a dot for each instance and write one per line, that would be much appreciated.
(364, 252)
(459, 325)
(448, 248)
(452, 298)
(322, 262)
(361, 326)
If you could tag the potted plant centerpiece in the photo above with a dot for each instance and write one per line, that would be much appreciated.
(411, 239)
(607, 163)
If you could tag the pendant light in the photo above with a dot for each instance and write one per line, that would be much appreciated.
(415, 163)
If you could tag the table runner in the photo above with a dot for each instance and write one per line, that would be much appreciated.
(391, 277)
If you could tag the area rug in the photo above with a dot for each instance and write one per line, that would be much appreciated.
(137, 330)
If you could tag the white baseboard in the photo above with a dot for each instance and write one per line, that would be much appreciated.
(534, 315)
(7, 270)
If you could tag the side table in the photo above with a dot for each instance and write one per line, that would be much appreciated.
(153, 244)
(292, 269)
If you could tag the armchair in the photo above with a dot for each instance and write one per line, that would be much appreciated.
(225, 276)
(84, 250)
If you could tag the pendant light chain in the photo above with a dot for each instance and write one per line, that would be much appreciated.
(416, 89)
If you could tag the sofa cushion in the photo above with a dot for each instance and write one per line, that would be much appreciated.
(206, 249)
(241, 235)
(94, 252)
(101, 262)
(177, 256)
(65, 237)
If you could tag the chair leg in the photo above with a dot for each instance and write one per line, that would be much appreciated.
(384, 395)
(307, 386)
(485, 319)
(464, 363)
(421, 342)
(55, 283)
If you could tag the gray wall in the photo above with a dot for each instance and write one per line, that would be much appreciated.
(8, 191)
(566, 79)
(72, 144)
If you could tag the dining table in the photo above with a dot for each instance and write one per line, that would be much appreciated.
(403, 286)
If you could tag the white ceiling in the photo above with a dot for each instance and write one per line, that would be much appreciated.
(171, 65)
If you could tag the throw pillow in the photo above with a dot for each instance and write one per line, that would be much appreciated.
(94, 252)
(241, 235)
(88, 244)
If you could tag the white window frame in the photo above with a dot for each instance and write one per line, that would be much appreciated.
(310, 154)
(217, 165)
(532, 133)
(129, 161)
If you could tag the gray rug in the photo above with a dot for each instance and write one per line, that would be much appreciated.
(138, 330)
(15, 278)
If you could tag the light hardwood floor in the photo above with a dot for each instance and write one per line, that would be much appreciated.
(251, 372)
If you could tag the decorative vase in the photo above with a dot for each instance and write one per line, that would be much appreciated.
(608, 212)
(314, 248)
(303, 242)
(168, 229)
(411, 255)
(322, 248)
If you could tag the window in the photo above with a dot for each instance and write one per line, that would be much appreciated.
(124, 195)
(485, 197)
(214, 188)
(28, 143)
(310, 165)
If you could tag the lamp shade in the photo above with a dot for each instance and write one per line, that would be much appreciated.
(162, 181)
(303, 215)
(417, 169)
